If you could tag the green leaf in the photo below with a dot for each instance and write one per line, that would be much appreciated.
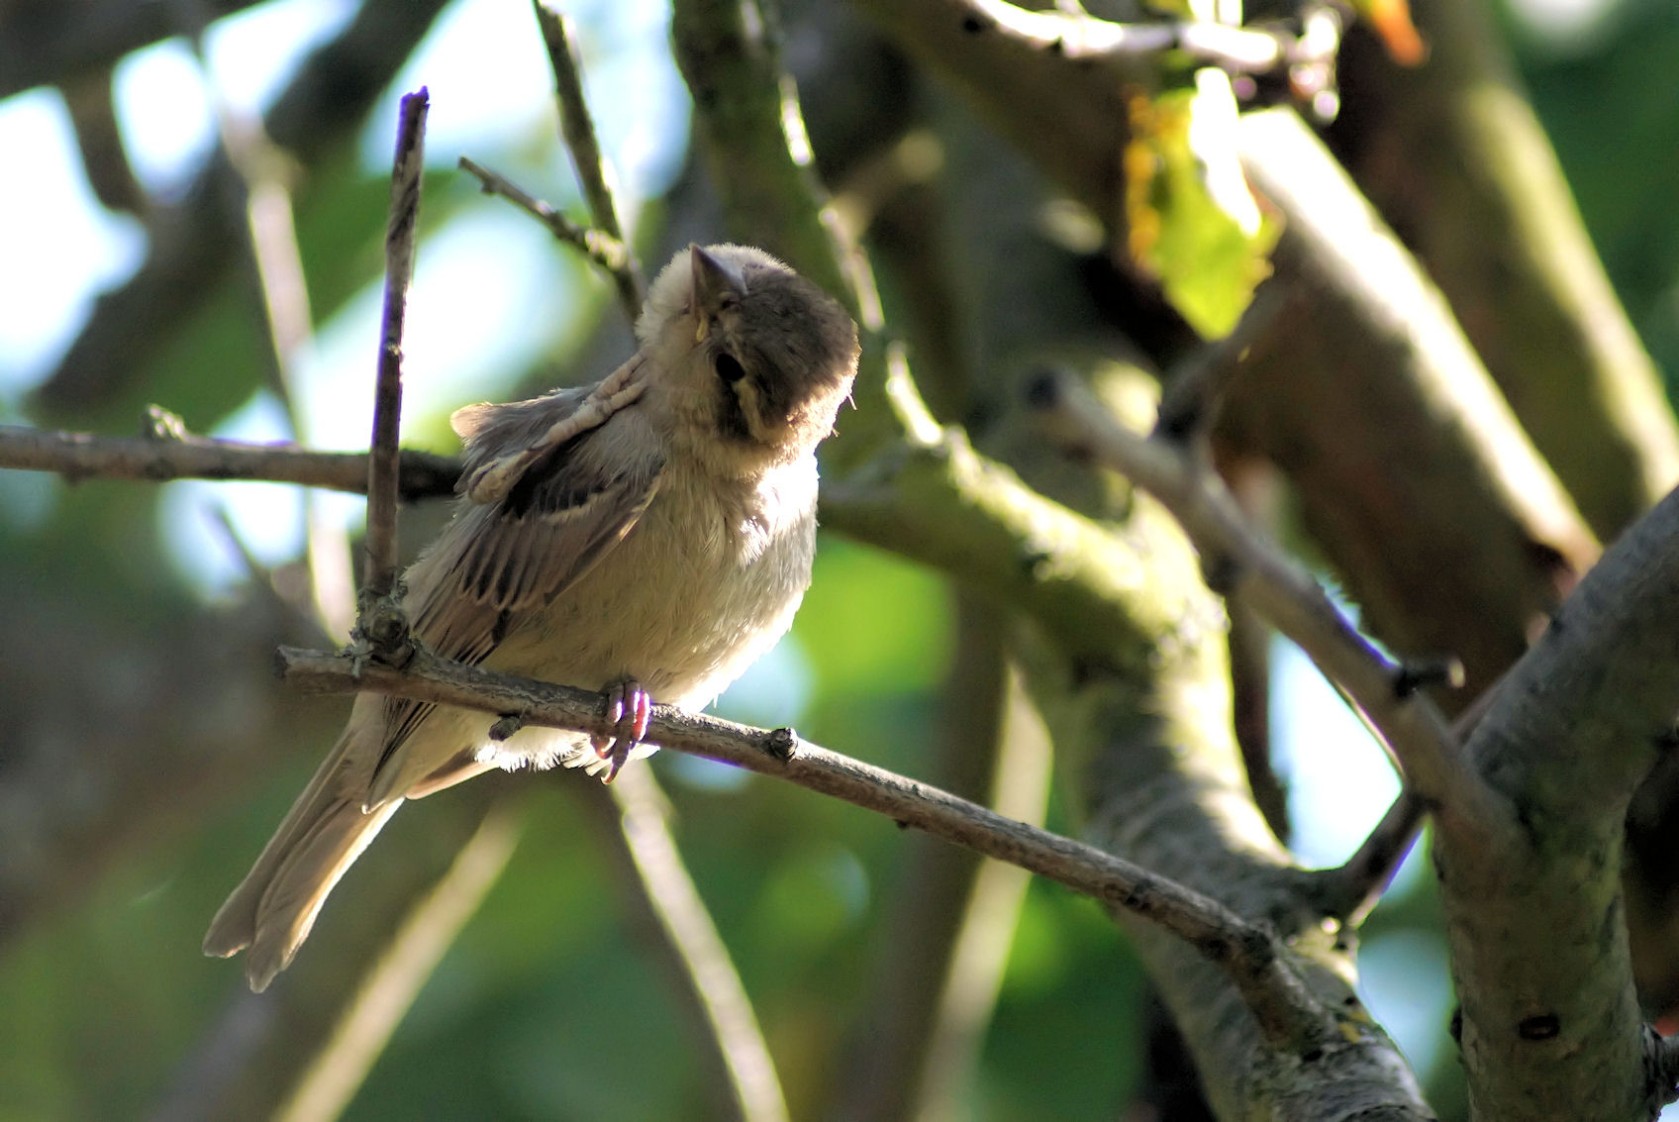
(1192, 221)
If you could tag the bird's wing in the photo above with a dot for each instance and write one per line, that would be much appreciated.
(551, 485)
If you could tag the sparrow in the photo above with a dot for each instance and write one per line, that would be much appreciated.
(648, 535)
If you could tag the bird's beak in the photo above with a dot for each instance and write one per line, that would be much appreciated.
(714, 280)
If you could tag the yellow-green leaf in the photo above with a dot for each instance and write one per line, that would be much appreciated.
(1193, 222)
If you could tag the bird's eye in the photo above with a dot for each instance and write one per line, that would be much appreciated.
(729, 368)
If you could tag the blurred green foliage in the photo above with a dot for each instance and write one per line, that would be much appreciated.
(547, 1006)
(1606, 99)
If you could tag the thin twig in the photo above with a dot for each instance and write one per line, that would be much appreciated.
(388, 987)
(387, 403)
(607, 252)
(1286, 1011)
(1195, 392)
(577, 129)
(1351, 889)
(1348, 891)
(260, 173)
(79, 456)
(634, 826)
(1234, 556)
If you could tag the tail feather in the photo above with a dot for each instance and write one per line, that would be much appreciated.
(272, 910)
(274, 907)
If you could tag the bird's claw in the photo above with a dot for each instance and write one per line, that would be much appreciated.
(629, 709)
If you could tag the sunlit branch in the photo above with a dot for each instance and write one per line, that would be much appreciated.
(1286, 1011)
(1234, 556)
(80, 456)
(577, 129)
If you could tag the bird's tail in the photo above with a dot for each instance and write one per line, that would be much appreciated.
(326, 829)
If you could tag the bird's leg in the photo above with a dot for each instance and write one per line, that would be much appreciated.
(629, 708)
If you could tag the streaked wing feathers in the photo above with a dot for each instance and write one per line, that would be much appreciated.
(571, 500)
(503, 441)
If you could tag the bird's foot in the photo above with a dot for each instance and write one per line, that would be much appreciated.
(629, 708)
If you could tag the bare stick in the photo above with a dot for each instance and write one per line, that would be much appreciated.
(388, 987)
(1234, 556)
(387, 402)
(577, 128)
(606, 251)
(634, 826)
(1350, 890)
(1194, 393)
(79, 456)
(260, 174)
(1286, 1011)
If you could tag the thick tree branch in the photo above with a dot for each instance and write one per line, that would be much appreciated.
(1365, 368)
(1351, 385)
(1285, 594)
(1550, 1018)
(1454, 155)
(1289, 1015)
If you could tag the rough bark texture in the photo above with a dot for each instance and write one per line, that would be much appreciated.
(1408, 463)
(1549, 1011)
(1453, 156)
(1406, 438)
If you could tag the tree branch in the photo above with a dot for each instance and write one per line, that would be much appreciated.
(192, 243)
(381, 543)
(1454, 154)
(577, 129)
(608, 253)
(653, 880)
(1236, 558)
(1365, 368)
(79, 456)
(1551, 1023)
(1350, 890)
(1255, 963)
(388, 985)
(1085, 38)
